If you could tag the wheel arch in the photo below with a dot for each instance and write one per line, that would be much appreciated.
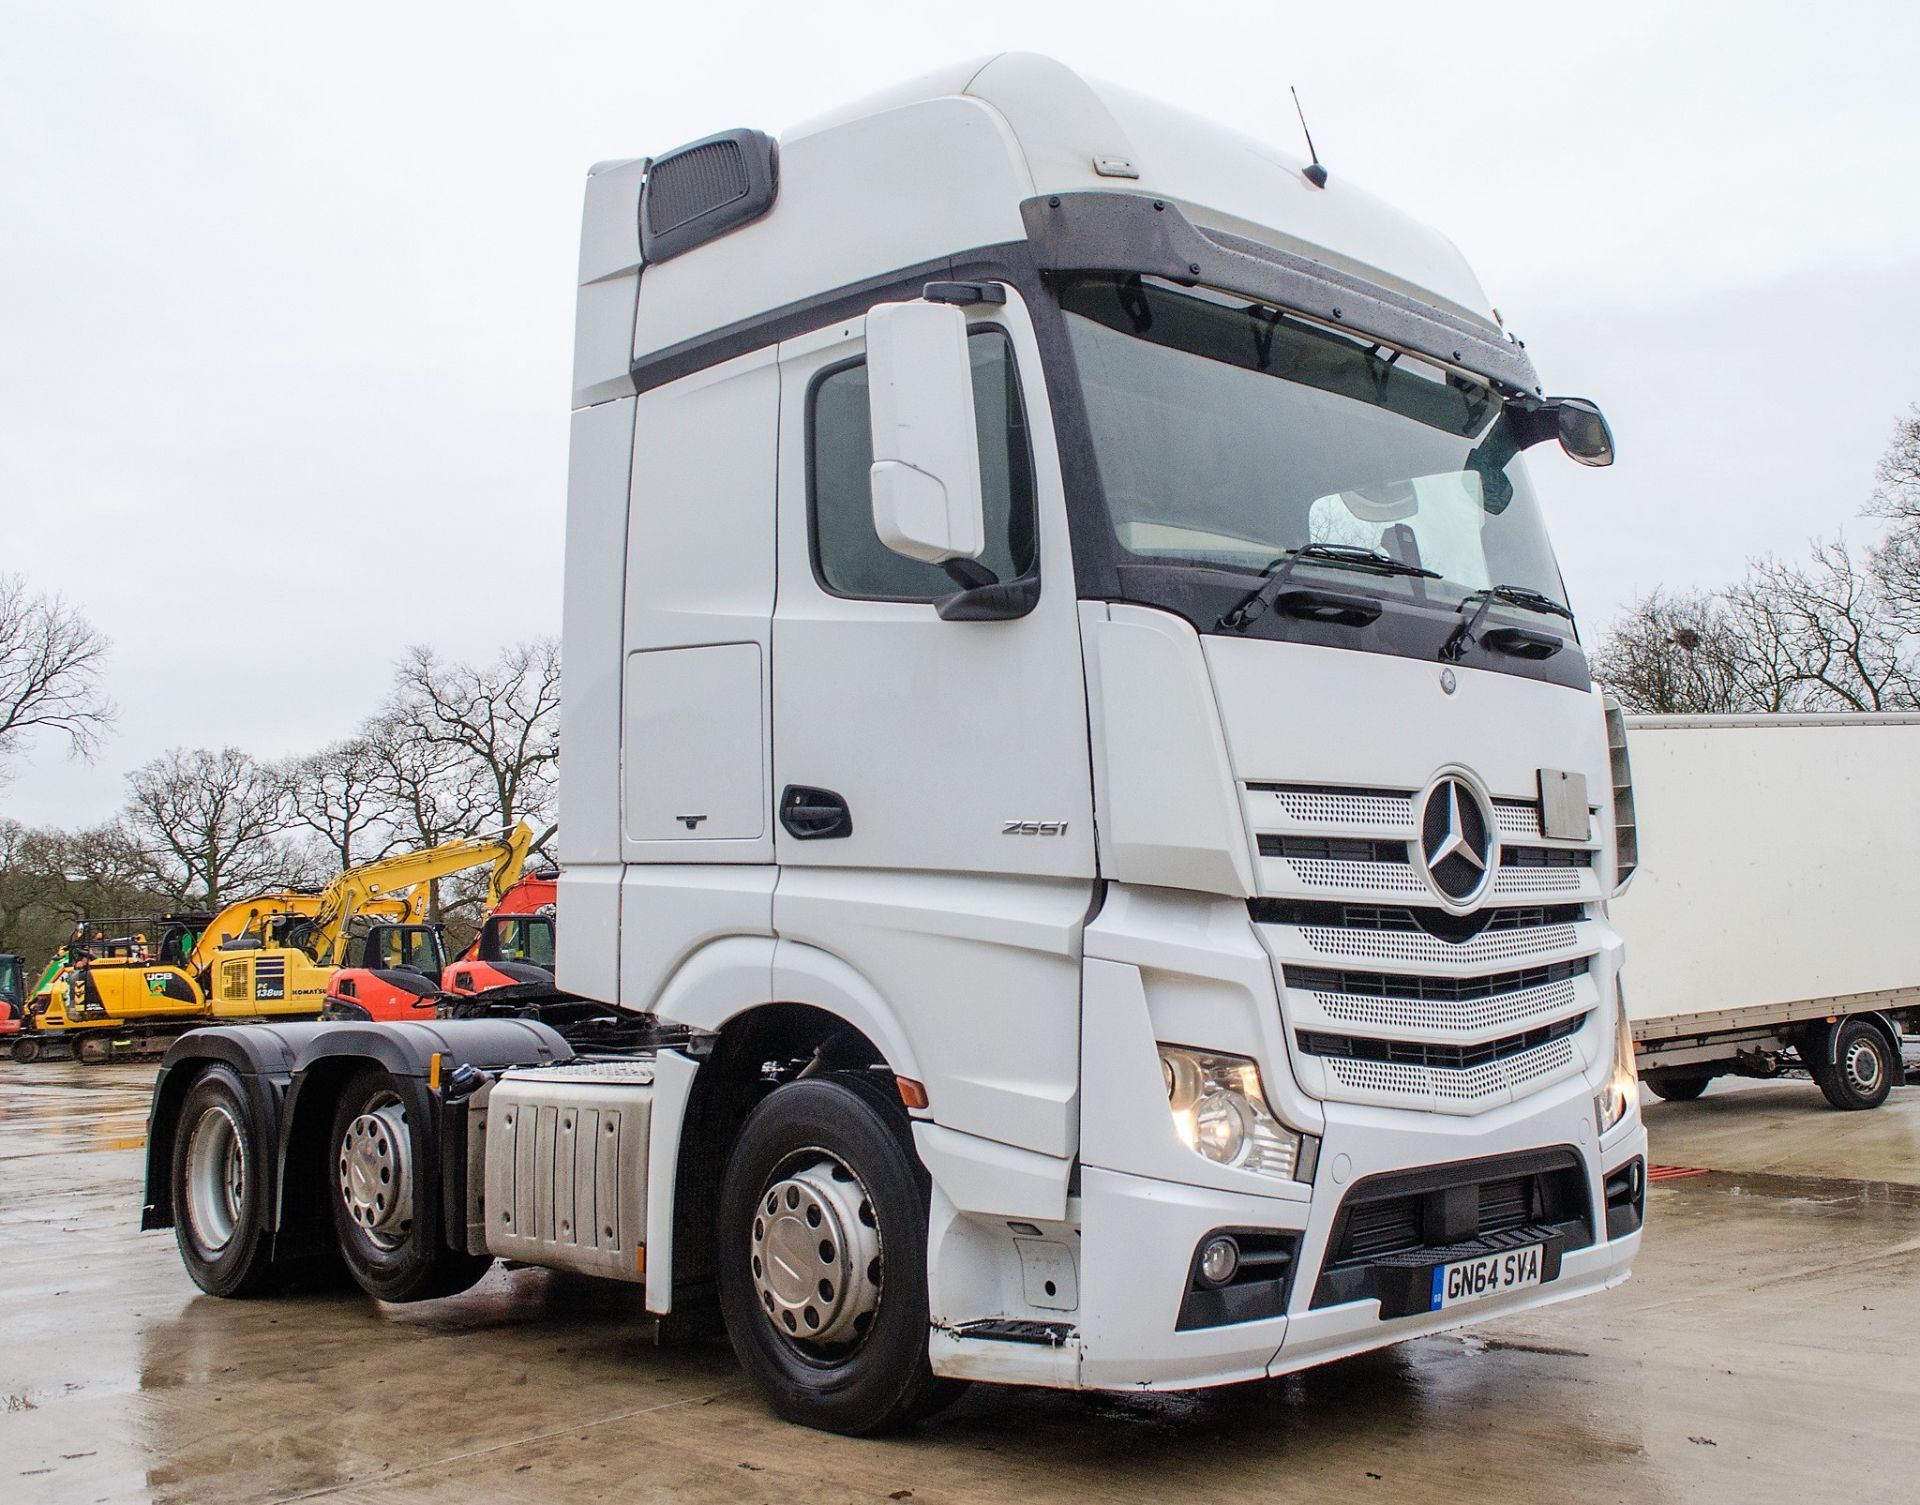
(1824, 1038)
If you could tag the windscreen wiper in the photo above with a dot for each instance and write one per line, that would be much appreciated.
(1517, 641)
(1346, 555)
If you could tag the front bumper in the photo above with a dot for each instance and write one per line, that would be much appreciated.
(1140, 1234)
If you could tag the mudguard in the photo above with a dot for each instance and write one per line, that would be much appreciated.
(277, 1063)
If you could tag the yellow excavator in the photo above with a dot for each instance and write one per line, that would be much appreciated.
(126, 987)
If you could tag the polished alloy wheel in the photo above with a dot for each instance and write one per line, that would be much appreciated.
(375, 1166)
(216, 1178)
(816, 1254)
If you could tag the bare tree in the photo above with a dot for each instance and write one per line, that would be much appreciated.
(1819, 636)
(498, 722)
(1674, 655)
(1896, 563)
(212, 825)
(50, 659)
(341, 795)
(50, 879)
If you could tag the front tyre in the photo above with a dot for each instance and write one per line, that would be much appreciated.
(386, 1208)
(1860, 1072)
(219, 1189)
(822, 1241)
(1677, 1086)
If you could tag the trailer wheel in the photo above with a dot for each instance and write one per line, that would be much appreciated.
(1678, 1086)
(1853, 1066)
(386, 1207)
(26, 1051)
(219, 1189)
(822, 1243)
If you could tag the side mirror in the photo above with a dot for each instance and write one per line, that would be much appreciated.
(1583, 430)
(926, 458)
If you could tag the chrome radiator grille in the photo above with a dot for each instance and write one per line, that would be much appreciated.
(1390, 999)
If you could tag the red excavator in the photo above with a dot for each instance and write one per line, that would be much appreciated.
(13, 993)
(507, 973)
(512, 956)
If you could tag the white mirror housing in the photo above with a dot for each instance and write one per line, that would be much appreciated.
(926, 459)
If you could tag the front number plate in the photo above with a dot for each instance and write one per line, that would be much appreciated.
(1489, 1275)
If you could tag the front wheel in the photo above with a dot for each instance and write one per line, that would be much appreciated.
(822, 1242)
(1854, 1067)
(1677, 1086)
(386, 1204)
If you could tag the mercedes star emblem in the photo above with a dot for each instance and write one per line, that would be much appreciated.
(1456, 840)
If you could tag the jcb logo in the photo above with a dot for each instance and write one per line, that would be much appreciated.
(1034, 828)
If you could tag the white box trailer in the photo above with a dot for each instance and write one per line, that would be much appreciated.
(1772, 921)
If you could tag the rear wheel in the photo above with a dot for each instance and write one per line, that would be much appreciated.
(823, 1258)
(386, 1211)
(1677, 1087)
(1854, 1066)
(219, 1192)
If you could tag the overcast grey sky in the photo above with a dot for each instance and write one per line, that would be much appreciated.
(286, 292)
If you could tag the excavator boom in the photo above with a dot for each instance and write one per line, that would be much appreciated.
(407, 874)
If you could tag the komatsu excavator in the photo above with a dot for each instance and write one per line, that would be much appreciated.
(127, 987)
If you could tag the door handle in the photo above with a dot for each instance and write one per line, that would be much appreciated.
(809, 814)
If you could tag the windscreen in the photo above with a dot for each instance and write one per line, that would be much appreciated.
(1229, 433)
(528, 939)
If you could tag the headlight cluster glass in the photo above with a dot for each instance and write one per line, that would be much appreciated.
(1220, 1111)
(1623, 1087)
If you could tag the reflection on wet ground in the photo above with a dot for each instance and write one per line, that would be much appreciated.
(1784, 1284)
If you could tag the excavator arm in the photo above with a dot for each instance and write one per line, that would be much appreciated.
(404, 877)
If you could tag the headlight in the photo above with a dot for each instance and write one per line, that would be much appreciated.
(1220, 1112)
(1623, 1087)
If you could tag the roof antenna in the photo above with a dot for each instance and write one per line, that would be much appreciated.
(1313, 172)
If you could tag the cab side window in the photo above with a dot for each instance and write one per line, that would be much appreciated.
(848, 556)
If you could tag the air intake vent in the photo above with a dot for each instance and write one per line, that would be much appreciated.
(699, 192)
(1626, 830)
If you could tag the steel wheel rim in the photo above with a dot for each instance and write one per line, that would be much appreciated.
(216, 1178)
(814, 1256)
(374, 1165)
(1863, 1066)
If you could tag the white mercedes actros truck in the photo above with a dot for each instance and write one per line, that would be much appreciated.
(1086, 820)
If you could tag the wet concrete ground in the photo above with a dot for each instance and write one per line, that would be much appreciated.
(1766, 1350)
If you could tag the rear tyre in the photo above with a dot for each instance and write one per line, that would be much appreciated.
(1679, 1087)
(1860, 1072)
(384, 1199)
(219, 1188)
(822, 1242)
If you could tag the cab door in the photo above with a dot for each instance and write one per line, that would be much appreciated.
(933, 799)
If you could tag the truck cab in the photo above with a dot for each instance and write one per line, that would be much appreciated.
(1078, 745)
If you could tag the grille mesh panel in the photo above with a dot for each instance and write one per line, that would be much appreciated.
(1531, 882)
(1416, 946)
(1347, 807)
(1481, 1014)
(1496, 1078)
(1384, 877)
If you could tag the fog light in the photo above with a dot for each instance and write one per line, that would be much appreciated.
(1219, 1259)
